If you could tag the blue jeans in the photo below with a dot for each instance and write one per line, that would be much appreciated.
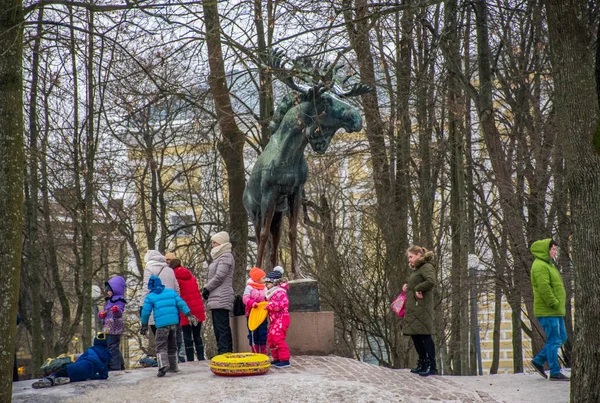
(556, 335)
(258, 337)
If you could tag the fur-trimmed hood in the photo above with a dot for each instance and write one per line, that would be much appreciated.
(428, 257)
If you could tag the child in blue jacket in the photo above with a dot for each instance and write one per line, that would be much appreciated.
(92, 364)
(166, 305)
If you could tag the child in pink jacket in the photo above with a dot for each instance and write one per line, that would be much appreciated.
(279, 318)
(254, 293)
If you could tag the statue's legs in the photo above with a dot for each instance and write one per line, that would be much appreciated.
(267, 210)
(275, 237)
(295, 201)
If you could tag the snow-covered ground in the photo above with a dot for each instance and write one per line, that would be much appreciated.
(310, 379)
(518, 388)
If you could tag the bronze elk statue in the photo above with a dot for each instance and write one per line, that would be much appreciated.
(310, 114)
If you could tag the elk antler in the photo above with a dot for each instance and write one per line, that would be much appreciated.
(322, 77)
(356, 90)
(277, 66)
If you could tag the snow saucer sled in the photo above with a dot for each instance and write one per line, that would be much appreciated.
(240, 364)
(257, 316)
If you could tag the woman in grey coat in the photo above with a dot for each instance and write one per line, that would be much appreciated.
(218, 290)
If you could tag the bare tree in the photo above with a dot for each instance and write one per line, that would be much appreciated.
(576, 103)
(232, 146)
(11, 180)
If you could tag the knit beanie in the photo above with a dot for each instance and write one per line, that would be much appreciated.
(220, 237)
(276, 274)
(100, 340)
(170, 256)
(256, 274)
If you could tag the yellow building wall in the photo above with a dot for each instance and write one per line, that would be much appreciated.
(486, 334)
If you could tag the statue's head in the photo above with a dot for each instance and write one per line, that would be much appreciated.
(331, 114)
(320, 108)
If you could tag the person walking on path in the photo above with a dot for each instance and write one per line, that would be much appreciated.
(549, 301)
(218, 290)
(190, 293)
(418, 316)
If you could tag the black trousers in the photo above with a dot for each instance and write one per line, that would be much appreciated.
(424, 346)
(116, 362)
(192, 337)
(15, 370)
(220, 318)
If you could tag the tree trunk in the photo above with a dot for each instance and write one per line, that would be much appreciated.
(11, 181)
(425, 90)
(31, 266)
(460, 315)
(497, 324)
(512, 210)
(402, 183)
(391, 205)
(577, 111)
(564, 258)
(470, 200)
(232, 146)
(88, 201)
(265, 91)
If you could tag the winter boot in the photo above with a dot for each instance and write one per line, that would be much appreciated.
(430, 368)
(419, 368)
(263, 349)
(200, 350)
(61, 380)
(282, 364)
(189, 352)
(173, 363)
(43, 383)
(163, 366)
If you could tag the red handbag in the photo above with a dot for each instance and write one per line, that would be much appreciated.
(398, 304)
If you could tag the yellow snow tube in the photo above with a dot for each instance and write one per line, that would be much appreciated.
(240, 364)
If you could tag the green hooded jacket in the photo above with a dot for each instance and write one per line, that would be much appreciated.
(418, 313)
(549, 296)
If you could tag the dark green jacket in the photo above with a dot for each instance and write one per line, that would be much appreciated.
(549, 296)
(418, 317)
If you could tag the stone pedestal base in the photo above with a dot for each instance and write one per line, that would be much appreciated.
(304, 296)
(310, 333)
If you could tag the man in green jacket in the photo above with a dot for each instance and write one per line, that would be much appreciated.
(549, 300)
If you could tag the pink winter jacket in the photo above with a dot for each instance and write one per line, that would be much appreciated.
(279, 317)
(252, 295)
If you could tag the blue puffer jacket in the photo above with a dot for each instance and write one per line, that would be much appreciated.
(92, 364)
(165, 302)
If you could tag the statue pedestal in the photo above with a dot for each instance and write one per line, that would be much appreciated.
(304, 295)
(311, 331)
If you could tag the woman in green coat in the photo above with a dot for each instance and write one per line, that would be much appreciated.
(418, 317)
